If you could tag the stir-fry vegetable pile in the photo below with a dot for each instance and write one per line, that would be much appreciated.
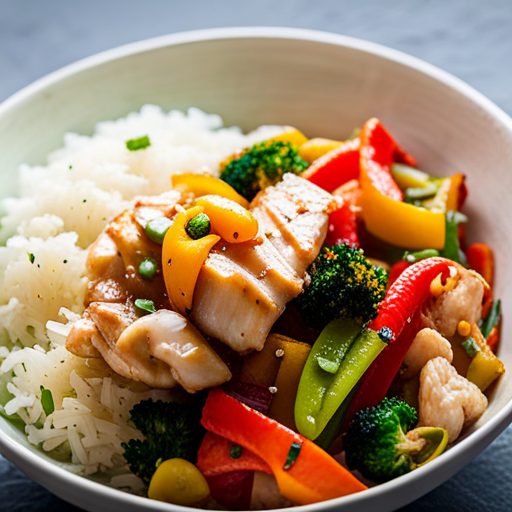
(385, 348)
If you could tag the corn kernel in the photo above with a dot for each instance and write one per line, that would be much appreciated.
(463, 328)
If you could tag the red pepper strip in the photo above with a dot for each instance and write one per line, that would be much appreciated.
(481, 258)
(342, 226)
(233, 491)
(378, 151)
(311, 476)
(214, 457)
(378, 378)
(408, 293)
(493, 338)
(396, 271)
(398, 313)
(335, 167)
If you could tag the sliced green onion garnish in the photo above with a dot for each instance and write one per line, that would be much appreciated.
(235, 452)
(145, 305)
(47, 401)
(412, 257)
(136, 144)
(470, 346)
(292, 455)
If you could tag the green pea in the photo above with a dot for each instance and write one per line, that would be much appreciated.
(198, 226)
(157, 228)
(147, 268)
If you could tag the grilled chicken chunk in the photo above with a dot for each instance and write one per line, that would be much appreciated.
(294, 216)
(112, 320)
(243, 288)
(173, 339)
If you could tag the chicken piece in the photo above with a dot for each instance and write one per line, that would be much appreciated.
(464, 302)
(448, 400)
(175, 341)
(242, 289)
(295, 216)
(79, 340)
(427, 345)
(111, 321)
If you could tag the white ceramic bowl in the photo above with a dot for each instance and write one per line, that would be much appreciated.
(325, 85)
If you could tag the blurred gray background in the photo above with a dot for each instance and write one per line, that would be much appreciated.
(471, 39)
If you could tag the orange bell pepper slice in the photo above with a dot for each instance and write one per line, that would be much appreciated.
(231, 221)
(310, 477)
(182, 259)
(383, 211)
(201, 185)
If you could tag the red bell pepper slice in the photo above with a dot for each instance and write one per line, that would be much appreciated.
(335, 167)
(214, 457)
(342, 226)
(398, 312)
(396, 271)
(408, 293)
(310, 476)
(379, 150)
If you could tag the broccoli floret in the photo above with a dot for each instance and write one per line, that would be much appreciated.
(344, 284)
(172, 430)
(261, 166)
(376, 444)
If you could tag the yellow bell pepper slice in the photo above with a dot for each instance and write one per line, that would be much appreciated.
(231, 221)
(291, 135)
(201, 185)
(393, 221)
(485, 367)
(182, 259)
(313, 149)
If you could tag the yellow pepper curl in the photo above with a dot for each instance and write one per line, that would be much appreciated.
(182, 259)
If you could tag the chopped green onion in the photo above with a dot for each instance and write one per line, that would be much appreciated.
(31, 257)
(421, 192)
(470, 346)
(145, 305)
(413, 257)
(406, 176)
(292, 455)
(47, 401)
(492, 319)
(147, 268)
(198, 226)
(235, 452)
(157, 228)
(136, 144)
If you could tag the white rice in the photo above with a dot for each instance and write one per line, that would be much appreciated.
(62, 208)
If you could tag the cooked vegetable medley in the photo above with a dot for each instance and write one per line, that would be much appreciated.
(316, 303)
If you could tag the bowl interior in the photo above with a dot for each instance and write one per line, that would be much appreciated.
(324, 85)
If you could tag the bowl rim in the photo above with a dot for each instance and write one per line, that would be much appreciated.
(44, 471)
